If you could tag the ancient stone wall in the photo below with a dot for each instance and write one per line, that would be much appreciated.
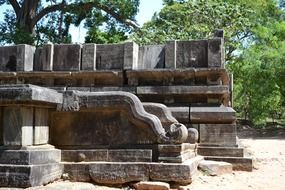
(124, 56)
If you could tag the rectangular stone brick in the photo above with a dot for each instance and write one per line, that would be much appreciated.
(131, 53)
(66, 57)
(151, 57)
(215, 53)
(89, 57)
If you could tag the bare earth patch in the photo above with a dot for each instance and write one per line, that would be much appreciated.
(268, 173)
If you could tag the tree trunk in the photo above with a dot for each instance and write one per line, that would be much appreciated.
(26, 14)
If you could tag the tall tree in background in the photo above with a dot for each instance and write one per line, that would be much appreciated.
(49, 20)
(254, 41)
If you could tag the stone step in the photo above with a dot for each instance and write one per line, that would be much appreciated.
(214, 168)
(220, 151)
(29, 157)
(118, 155)
(114, 173)
(204, 115)
(23, 176)
(239, 163)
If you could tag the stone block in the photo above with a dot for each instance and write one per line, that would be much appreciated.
(151, 185)
(193, 136)
(17, 58)
(115, 155)
(66, 57)
(41, 128)
(110, 56)
(214, 168)
(30, 157)
(28, 93)
(192, 54)
(215, 53)
(170, 55)
(26, 176)
(17, 126)
(77, 171)
(88, 57)
(238, 163)
(118, 173)
(131, 55)
(38, 64)
(47, 57)
(151, 57)
(221, 151)
(218, 134)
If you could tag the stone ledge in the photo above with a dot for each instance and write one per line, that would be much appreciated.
(243, 164)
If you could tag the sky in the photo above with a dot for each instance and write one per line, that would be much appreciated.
(146, 10)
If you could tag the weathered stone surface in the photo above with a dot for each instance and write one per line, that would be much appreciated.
(215, 53)
(212, 115)
(218, 134)
(239, 163)
(77, 171)
(151, 57)
(220, 151)
(27, 176)
(30, 157)
(17, 123)
(110, 56)
(192, 54)
(88, 57)
(162, 112)
(151, 185)
(47, 57)
(118, 173)
(214, 168)
(17, 58)
(38, 65)
(113, 119)
(28, 93)
(193, 135)
(66, 57)
(41, 128)
(131, 55)
(180, 173)
(167, 90)
(116, 155)
(177, 159)
(170, 54)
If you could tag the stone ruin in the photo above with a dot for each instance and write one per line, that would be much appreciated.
(115, 114)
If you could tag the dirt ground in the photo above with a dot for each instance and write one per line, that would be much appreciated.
(267, 150)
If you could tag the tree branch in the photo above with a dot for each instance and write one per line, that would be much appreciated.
(87, 7)
(15, 6)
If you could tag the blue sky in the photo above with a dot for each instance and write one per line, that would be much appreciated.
(146, 10)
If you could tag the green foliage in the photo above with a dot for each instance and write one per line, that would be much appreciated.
(184, 20)
(38, 22)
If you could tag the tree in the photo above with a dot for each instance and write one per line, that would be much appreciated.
(184, 20)
(36, 19)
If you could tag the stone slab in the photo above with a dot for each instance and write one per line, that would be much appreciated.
(221, 151)
(27, 176)
(131, 55)
(218, 134)
(88, 57)
(170, 54)
(243, 164)
(38, 65)
(184, 90)
(41, 128)
(214, 168)
(17, 58)
(212, 115)
(215, 53)
(114, 173)
(66, 57)
(110, 56)
(151, 185)
(151, 57)
(116, 155)
(47, 57)
(177, 159)
(30, 157)
(178, 148)
(17, 123)
(192, 54)
(26, 92)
